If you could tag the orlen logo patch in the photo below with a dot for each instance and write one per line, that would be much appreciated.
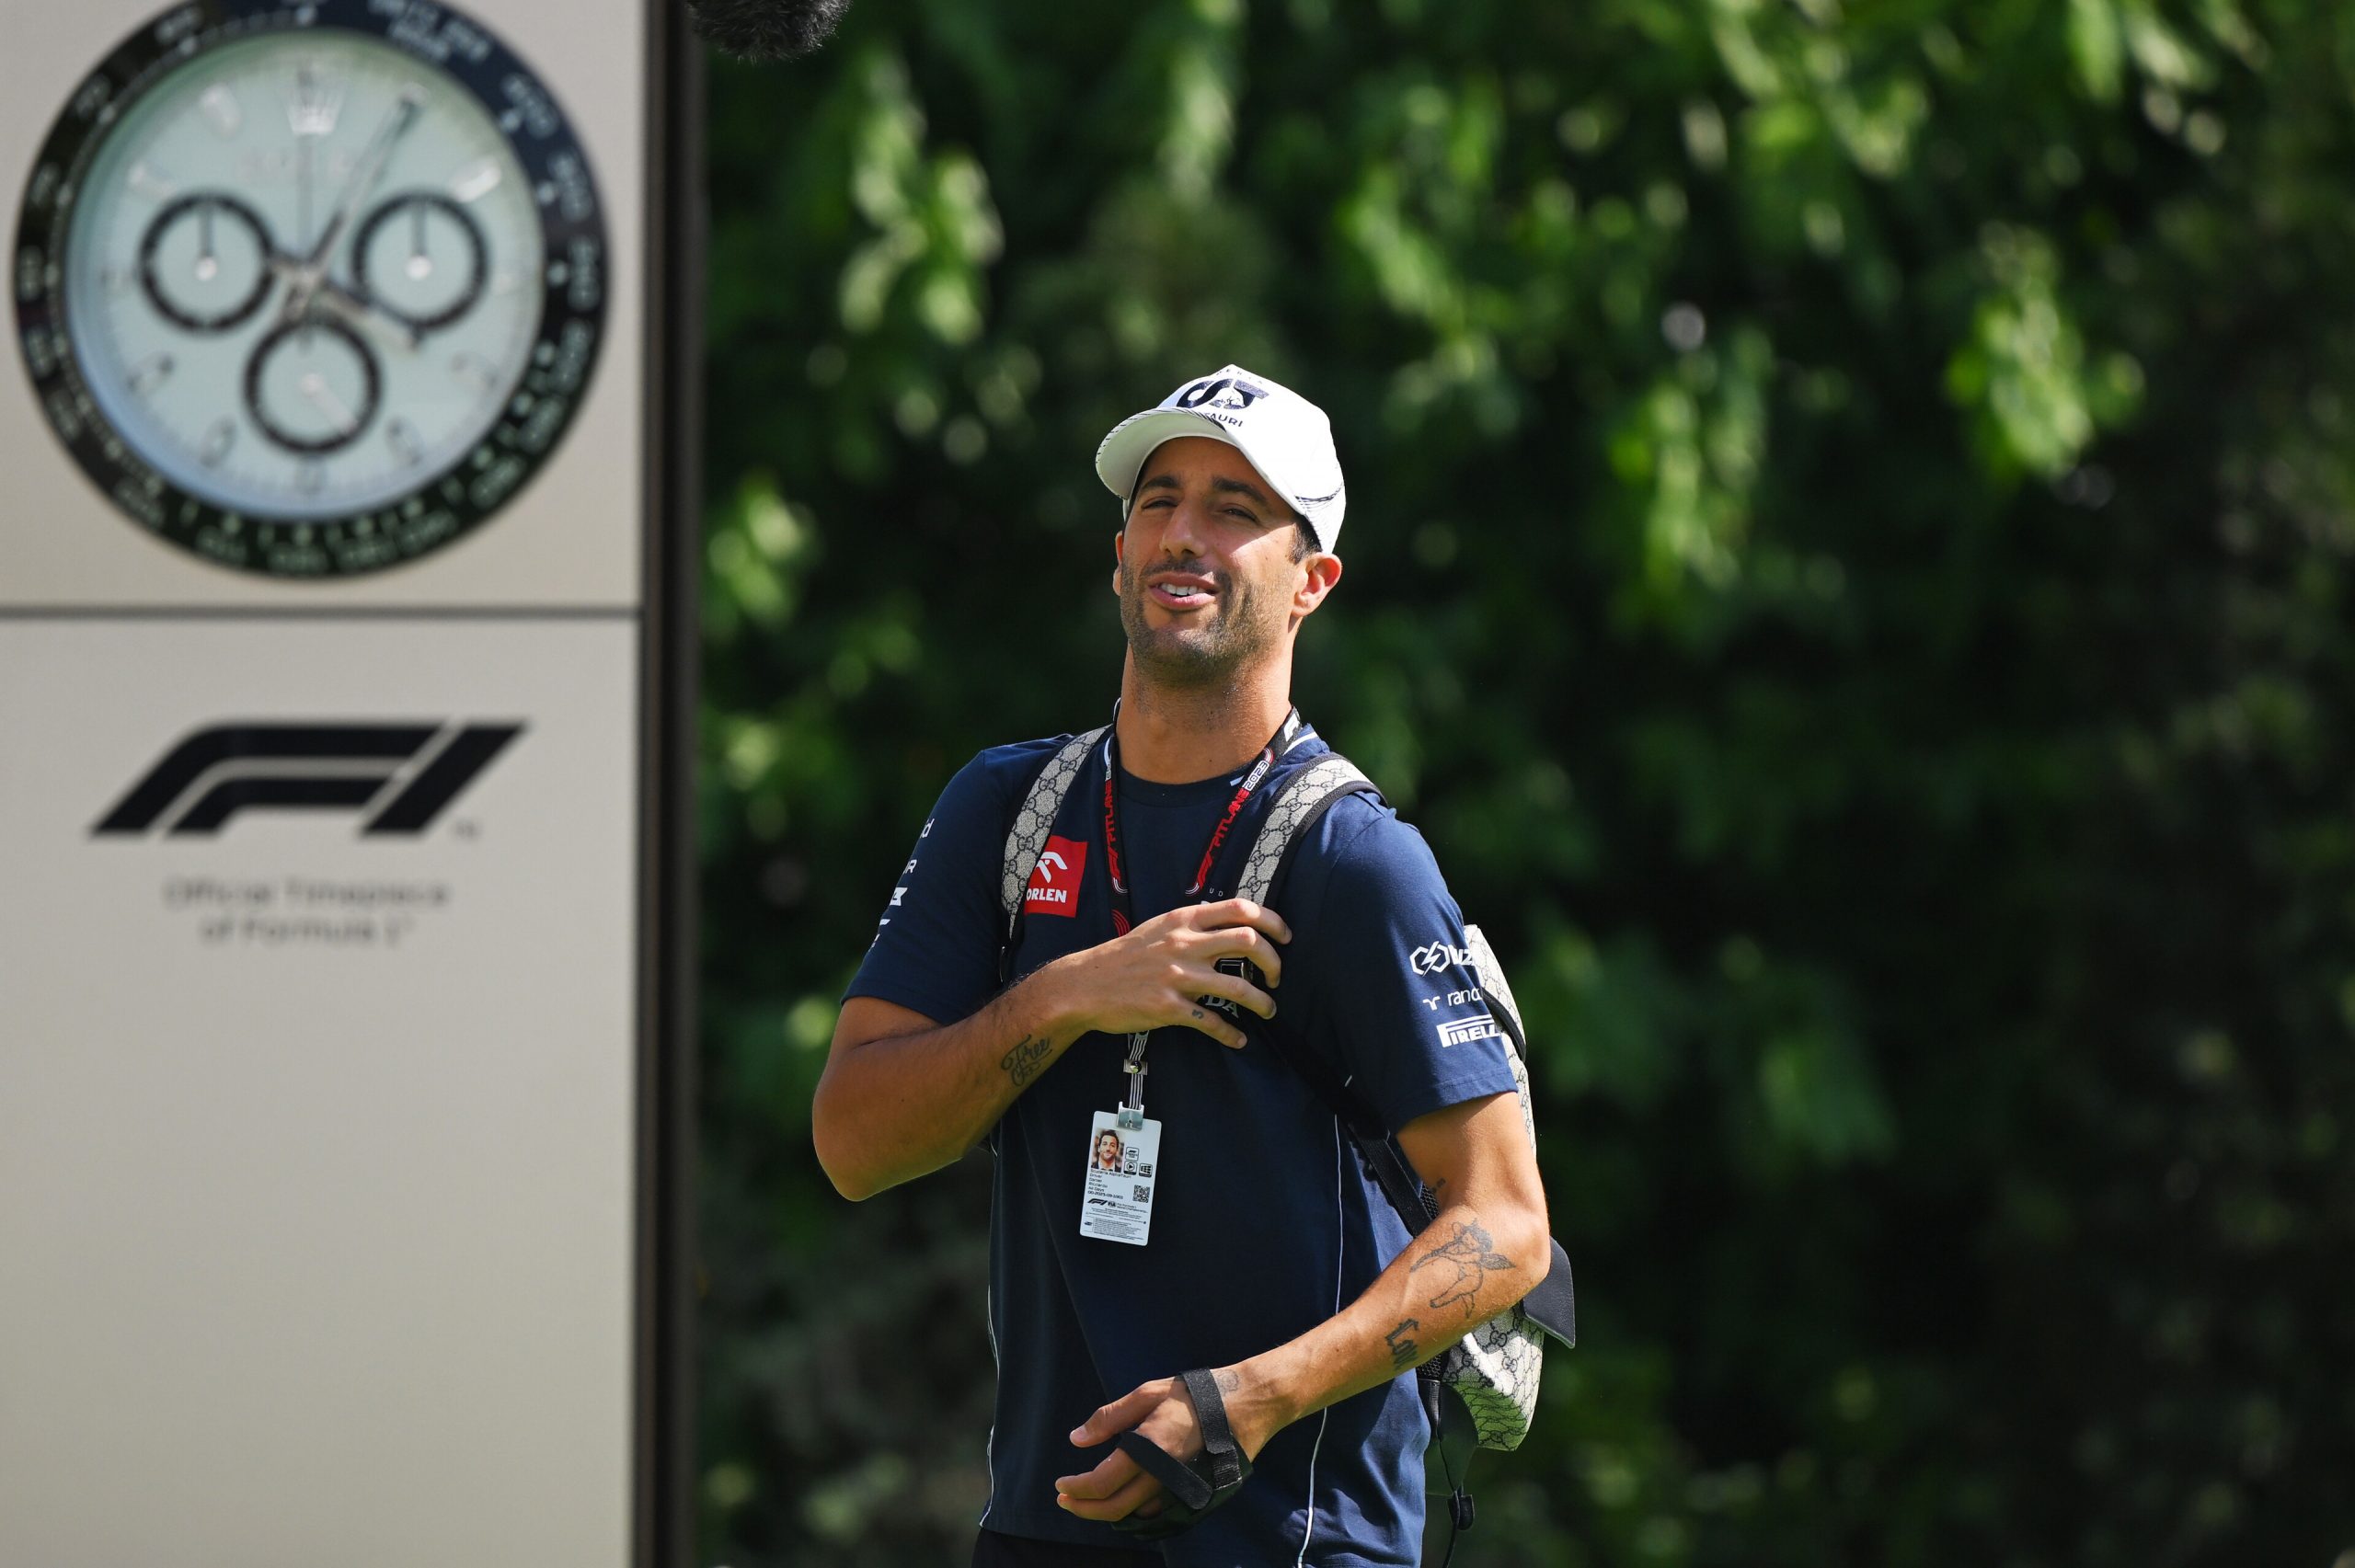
(1054, 885)
(399, 775)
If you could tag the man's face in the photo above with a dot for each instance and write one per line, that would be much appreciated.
(1206, 577)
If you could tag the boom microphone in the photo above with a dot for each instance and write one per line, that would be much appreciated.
(766, 29)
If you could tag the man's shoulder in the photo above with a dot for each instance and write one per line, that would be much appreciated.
(1363, 828)
(1361, 848)
(1003, 770)
(987, 789)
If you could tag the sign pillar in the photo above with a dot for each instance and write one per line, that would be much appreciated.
(346, 683)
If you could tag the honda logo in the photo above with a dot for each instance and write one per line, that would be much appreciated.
(400, 775)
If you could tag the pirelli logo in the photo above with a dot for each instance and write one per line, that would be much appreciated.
(1463, 1031)
(397, 777)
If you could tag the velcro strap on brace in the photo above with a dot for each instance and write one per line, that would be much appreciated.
(1193, 1487)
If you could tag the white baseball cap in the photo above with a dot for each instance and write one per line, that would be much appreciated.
(1280, 433)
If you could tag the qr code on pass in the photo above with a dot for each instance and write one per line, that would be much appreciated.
(1143, 1193)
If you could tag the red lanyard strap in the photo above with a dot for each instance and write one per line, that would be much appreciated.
(1287, 736)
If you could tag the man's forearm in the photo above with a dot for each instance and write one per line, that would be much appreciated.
(893, 1108)
(1463, 1269)
(901, 1096)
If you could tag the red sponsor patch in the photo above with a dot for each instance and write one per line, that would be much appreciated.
(1054, 886)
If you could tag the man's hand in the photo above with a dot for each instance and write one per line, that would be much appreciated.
(1158, 973)
(1483, 1253)
(1161, 1412)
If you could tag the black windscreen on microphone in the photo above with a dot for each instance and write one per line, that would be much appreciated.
(766, 29)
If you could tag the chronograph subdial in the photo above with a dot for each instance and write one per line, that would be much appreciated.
(420, 258)
(313, 386)
(205, 262)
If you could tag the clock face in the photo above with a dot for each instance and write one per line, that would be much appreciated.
(311, 290)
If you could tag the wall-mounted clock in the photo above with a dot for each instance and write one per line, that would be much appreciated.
(310, 289)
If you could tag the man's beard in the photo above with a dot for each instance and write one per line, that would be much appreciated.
(1185, 654)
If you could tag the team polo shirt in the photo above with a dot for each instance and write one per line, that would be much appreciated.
(1264, 1221)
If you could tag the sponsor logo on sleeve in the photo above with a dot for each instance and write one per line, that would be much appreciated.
(1055, 883)
(1433, 957)
(1463, 1031)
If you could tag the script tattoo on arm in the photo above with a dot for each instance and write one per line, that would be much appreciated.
(1463, 1261)
(1403, 1347)
(1023, 1062)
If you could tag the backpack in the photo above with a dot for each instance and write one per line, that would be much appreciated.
(1483, 1390)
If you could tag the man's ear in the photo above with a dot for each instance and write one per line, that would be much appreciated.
(1318, 574)
(1120, 538)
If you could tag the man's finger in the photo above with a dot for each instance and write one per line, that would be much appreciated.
(1209, 1022)
(1109, 1421)
(1247, 943)
(1242, 911)
(1235, 988)
(1118, 1505)
(1117, 1470)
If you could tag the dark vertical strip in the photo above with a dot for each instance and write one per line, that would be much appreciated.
(664, 1518)
(440, 780)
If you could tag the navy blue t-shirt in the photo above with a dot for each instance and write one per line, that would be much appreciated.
(1264, 1222)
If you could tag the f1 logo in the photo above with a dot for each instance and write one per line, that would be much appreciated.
(403, 776)
(1054, 886)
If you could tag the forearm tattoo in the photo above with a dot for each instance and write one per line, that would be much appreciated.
(1463, 1262)
(1023, 1062)
(1403, 1348)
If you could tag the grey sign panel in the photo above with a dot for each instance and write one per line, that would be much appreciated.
(319, 1115)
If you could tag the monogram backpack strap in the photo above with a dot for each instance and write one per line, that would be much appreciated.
(1305, 797)
(1027, 836)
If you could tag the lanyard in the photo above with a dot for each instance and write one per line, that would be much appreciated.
(1288, 734)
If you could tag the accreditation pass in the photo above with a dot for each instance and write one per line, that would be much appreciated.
(1117, 1204)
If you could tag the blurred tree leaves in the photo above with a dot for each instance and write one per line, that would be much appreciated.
(1850, 528)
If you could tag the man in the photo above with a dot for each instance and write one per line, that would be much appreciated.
(1267, 1257)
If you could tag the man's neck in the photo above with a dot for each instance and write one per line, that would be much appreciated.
(1180, 734)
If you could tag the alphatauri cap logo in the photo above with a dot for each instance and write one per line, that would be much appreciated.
(1283, 435)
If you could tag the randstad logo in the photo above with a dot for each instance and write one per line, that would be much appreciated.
(1054, 885)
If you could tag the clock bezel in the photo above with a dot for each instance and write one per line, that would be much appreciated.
(459, 495)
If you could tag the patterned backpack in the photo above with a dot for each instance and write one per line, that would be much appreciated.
(1483, 1390)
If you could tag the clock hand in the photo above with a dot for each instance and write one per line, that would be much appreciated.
(314, 386)
(206, 265)
(311, 271)
(327, 293)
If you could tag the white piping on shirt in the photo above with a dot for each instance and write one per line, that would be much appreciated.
(1340, 1249)
(989, 1448)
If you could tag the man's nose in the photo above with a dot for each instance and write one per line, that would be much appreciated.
(1187, 528)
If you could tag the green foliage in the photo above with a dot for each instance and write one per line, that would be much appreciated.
(1848, 564)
